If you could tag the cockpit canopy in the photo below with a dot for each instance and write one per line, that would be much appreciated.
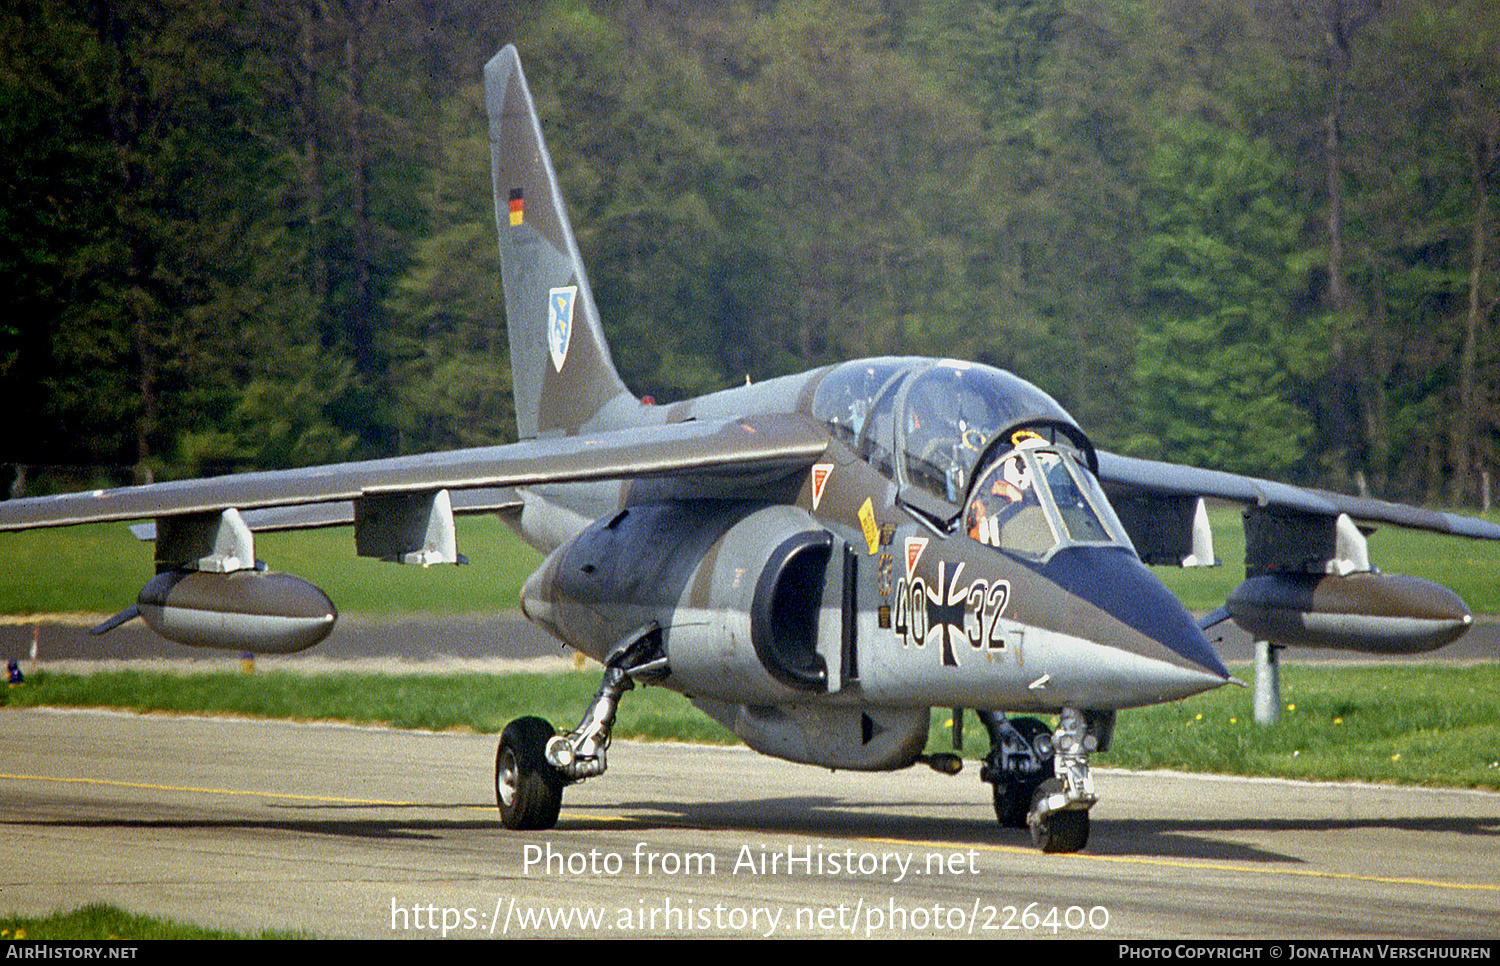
(933, 427)
(929, 424)
(1036, 497)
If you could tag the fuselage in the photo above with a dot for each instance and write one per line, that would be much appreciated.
(975, 561)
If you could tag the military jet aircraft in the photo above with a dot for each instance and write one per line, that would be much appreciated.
(815, 561)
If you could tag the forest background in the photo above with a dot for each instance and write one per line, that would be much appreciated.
(1253, 235)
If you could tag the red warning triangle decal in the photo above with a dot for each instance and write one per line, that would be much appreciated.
(914, 548)
(820, 474)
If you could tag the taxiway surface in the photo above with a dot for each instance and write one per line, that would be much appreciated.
(344, 831)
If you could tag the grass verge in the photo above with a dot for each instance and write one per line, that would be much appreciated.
(466, 702)
(1413, 724)
(107, 922)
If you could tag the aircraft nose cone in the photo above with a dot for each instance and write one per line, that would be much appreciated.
(1117, 583)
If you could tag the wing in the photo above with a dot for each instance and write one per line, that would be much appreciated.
(1309, 580)
(1131, 477)
(1287, 528)
(481, 479)
(210, 591)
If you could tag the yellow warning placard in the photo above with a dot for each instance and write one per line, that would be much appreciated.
(867, 524)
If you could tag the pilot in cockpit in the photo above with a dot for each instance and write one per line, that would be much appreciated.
(1006, 510)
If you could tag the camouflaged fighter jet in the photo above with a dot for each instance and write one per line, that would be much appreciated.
(815, 561)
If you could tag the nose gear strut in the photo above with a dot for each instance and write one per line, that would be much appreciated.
(1041, 777)
(1059, 815)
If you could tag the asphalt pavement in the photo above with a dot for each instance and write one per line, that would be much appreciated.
(377, 833)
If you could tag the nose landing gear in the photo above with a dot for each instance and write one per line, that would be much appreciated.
(1041, 778)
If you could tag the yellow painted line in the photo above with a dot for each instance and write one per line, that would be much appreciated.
(1211, 866)
(330, 799)
(208, 791)
(586, 817)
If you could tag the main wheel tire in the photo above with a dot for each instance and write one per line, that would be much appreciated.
(1013, 798)
(527, 788)
(1062, 831)
(1013, 802)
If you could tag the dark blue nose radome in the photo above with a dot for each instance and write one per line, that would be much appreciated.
(1117, 583)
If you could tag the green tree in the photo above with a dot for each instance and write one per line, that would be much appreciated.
(1219, 362)
(133, 107)
(869, 188)
(450, 373)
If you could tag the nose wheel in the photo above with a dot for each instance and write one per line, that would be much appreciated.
(1056, 827)
(1059, 815)
(1041, 777)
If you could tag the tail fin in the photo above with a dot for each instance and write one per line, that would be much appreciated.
(560, 364)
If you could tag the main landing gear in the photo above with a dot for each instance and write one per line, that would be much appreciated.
(1041, 777)
(533, 764)
(527, 788)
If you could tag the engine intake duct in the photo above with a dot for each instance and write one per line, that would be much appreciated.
(739, 596)
(785, 613)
